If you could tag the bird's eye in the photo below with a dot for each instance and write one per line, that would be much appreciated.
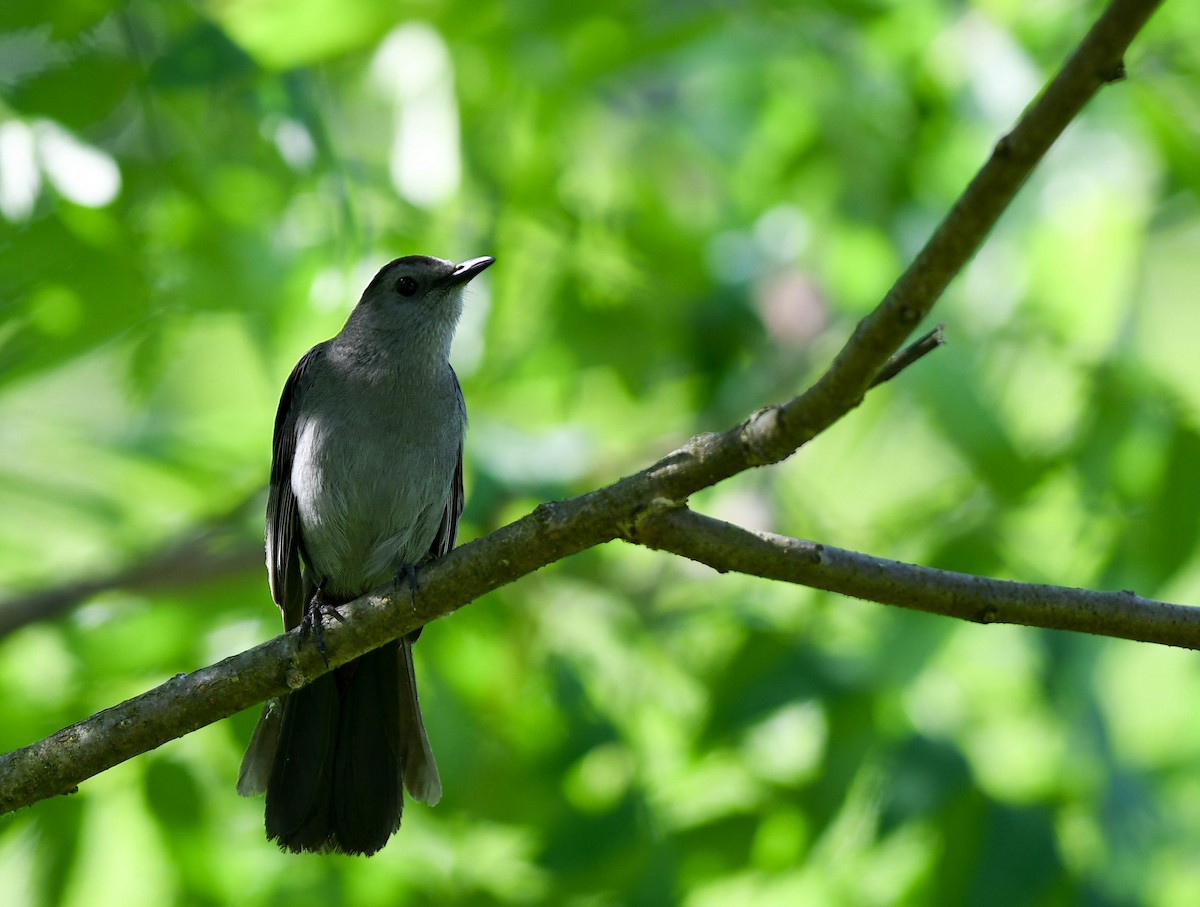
(406, 286)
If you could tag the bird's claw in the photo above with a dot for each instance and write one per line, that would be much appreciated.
(314, 619)
(408, 572)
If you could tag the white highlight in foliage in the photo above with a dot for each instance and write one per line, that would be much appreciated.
(20, 180)
(999, 74)
(82, 174)
(294, 143)
(412, 68)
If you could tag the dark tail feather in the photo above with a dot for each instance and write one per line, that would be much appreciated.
(367, 799)
(421, 777)
(300, 789)
(331, 759)
(255, 772)
(334, 756)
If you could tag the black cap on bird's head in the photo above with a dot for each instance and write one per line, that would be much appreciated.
(415, 275)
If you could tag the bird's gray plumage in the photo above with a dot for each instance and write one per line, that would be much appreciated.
(366, 480)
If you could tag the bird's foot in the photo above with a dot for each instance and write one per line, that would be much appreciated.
(314, 621)
(408, 572)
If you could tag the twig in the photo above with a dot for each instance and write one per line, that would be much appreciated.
(915, 351)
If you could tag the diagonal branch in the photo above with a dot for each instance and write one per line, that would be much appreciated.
(554, 531)
(1096, 61)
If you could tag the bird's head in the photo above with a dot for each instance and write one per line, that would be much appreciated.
(416, 301)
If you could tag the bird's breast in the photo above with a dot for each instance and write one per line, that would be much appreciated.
(372, 479)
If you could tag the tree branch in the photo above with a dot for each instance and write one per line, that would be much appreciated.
(209, 553)
(554, 531)
(727, 548)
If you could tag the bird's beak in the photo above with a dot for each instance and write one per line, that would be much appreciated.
(468, 269)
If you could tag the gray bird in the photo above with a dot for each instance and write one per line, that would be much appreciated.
(366, 483)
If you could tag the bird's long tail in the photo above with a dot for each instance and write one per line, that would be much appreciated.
(334, 756)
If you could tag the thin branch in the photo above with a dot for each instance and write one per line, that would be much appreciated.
(554, 531)
(911, 354)
(191, 560)
(730, 548)
(211, 552)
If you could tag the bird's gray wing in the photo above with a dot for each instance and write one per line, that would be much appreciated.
(418, 768)
(284, 543)
(448, 527)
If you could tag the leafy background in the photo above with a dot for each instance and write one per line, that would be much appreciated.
(690, 204)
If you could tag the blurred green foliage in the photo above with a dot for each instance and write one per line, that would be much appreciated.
(690, 204)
